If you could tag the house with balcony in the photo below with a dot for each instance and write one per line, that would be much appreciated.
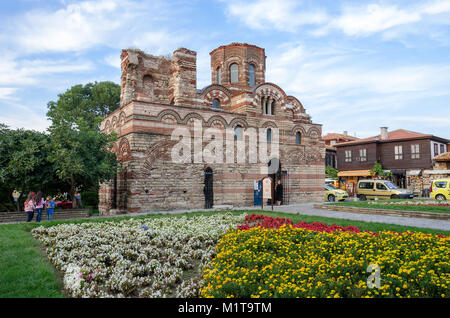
(408, 155)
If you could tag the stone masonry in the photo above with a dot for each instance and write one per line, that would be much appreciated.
(159, 95)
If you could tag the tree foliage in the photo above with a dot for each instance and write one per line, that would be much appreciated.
(377, 170)
(331, 172)
(80, 153)
(24, 164)
(88, 104)
(72, 154)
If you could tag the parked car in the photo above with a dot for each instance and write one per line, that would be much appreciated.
(381, 189)
(332, 194)
(440, 189)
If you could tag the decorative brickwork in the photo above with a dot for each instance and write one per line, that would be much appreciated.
(159, 95)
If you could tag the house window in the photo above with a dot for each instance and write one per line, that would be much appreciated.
(234, 72)
(348, 156)
(216, 103)
(219, 76)
(251, 75)
(398, 151)
(436, 150)
(415, 151)
(363, 154)
(298, 138)
(442, 149)
(269, 135)
(237, 132)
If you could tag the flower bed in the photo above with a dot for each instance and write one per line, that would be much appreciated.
(412, 203)
(269, 222)
(297, 262)
(158, 257)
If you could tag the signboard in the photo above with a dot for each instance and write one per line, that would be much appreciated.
(16, 195)
(267, 188)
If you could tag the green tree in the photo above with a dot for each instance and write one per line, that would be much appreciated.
(82, 157)
(80, 153)
(89, 103)
(331, 172)
(24, 165)
(377, 170)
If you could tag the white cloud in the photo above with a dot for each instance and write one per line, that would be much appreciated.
(18, 116)
(83, 25)
(341, 90)
(315, 73)
(372, 18)
(75, 27)
(7, 92)
(281, 15)
(29, 71)
(436, 7)
(364, 20)
(352, 20)
(113, 60)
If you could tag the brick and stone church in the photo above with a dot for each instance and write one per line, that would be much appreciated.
(160, 95)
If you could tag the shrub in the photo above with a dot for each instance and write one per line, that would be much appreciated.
(90, 198)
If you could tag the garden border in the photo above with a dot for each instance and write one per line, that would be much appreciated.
(19, 217)
(403, 213)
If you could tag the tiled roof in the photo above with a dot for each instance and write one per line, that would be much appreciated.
(354, 173)
(442, 157)
(398, 134)
(334, 136)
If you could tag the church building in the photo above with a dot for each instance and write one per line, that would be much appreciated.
(160, 102)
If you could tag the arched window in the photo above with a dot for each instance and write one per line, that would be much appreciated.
(272, 108)
(215, 103)
(219, 76)
(298, 138)
(251, 75)
(238, 132)
(269, 135)
(234, 73)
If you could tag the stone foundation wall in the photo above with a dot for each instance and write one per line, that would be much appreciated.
(150, 181)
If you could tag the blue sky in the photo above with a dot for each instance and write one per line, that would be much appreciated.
(354, 65)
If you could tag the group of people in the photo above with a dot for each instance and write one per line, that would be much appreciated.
(37, 203)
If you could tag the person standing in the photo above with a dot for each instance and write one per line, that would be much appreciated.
(50, 204)
(29, 207)
(39, 203)
(279, 192)
(78, 200)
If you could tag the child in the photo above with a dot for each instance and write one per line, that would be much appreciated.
(50, 208)
(29, 207)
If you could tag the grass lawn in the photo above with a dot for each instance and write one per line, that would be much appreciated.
(379, 205)
(25, 271)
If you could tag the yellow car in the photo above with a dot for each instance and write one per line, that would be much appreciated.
(381, 189)
(332, 194)
(440, 189)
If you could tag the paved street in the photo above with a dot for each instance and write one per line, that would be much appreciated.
(308, 209)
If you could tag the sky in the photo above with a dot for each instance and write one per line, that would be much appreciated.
(355, 66)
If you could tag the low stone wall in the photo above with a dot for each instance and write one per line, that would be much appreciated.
(411, 214)
(11, 217)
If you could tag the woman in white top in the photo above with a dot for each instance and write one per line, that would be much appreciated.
(29, 207)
